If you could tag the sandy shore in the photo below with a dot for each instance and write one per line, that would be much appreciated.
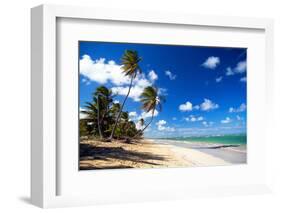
(234, 154)
(141, 154)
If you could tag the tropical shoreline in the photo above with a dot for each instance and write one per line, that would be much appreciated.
(148, 153)
(123, 100)
(232, 153)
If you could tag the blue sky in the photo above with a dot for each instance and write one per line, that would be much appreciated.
(205, 87)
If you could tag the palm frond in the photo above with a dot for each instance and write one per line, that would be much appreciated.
(151, 99)
(130, 62)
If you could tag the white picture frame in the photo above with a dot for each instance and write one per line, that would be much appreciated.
(44, 149)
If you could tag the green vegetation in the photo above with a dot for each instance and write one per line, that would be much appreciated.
(106, 119)
(100, 117)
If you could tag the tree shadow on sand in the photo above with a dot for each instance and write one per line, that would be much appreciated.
(88, 166)
(89, 152)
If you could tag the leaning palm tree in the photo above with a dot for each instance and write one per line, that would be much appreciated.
(130, 66)
(151, 100)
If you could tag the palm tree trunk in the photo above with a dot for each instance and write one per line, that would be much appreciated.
(146, 125)
(98, 108)
(104, 114)
(119, 114)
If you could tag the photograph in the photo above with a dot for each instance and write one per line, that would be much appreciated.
(161, 105)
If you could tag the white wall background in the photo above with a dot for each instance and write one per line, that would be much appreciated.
(15, 103)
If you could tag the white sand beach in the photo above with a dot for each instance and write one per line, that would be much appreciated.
(197, 158)
(152, 154)
(233, 154)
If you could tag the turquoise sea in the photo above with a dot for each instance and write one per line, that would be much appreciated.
(224, 139)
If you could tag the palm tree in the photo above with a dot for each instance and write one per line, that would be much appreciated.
(130, 66)
(103, 97)
(98, 116)
(151, 100)
(114, 110)
(91, 115)
(98, 110)
(141, 122)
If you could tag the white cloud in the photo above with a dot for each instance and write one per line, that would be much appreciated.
(103, 71)
(161, 126)
(241, 67)
(186, 107)
(219, 79)
(174, 118)
(231, 109)
(139, 84)
(145, 115)
(139, 126)
(152, 76)
(169, 129)
(241, 108)
(162, 91)
(86, 81)
(82, 115)
(200, 118)
(161, 123)
(207, 124)
(134, 94)
(196, 107)
(208, 105)
(243, 79)
(226, 120)
(212, 62)
(170, 75)
(133, 114)
(239, 118)
(193, 118)
(116, 102)
(229, 71)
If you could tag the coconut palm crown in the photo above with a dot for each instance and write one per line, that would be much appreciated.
(130, 63)
(151, 100)
(130, 67)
